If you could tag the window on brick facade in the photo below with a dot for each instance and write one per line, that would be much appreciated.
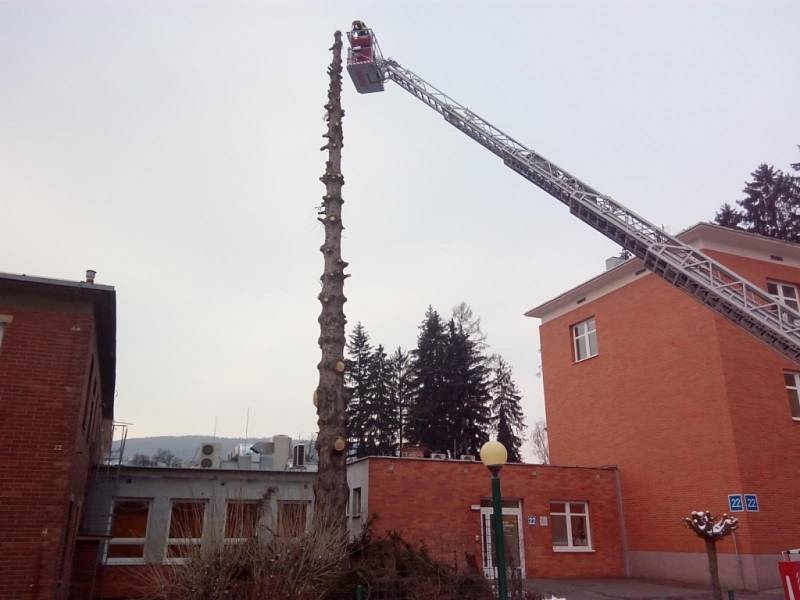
(785, 292)
(792, 381)
(355, 506)
(4, 321)
(241, 520)
(128, 532)
(569, 524)
(185, 529)
(584, 339)
(292, 517)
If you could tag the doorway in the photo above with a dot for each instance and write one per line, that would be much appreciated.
(512, 535)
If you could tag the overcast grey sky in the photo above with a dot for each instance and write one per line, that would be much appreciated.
(174, 147)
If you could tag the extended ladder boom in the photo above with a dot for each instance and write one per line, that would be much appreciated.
(703, 278)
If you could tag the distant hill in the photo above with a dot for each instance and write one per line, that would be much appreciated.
(182, 446)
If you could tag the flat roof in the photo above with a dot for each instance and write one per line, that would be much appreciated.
(104, 302)
(196, 471)
(454, 461)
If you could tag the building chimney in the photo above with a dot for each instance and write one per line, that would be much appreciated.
(90, 273)
(614, 261)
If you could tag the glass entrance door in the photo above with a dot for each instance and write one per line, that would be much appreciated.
(512, 536)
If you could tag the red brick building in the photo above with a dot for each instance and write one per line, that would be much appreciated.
(557, 521)
(57, 370)
(690, 408)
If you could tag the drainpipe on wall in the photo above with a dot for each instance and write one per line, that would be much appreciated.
(623, 534)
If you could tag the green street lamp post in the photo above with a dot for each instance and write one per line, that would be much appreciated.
(494, 456)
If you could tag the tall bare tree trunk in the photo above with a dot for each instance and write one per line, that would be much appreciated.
(330, 487)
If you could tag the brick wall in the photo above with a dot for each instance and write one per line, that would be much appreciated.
(767, 439)
(688, 406)
(44, 362)
(429, 501)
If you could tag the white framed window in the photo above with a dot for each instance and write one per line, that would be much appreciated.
(129, 524)
(355, 504)
(584, 339)
(792, 381)
(569, 524)
(241, 520)
(186, 524)
(785, 292)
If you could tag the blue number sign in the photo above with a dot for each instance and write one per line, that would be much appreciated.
(735, 503)
(751, 502)
(531, 520)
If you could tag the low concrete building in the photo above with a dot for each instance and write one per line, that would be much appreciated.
(142, 516)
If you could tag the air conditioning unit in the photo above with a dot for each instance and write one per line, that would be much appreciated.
(467, 457)
(438, 455)
(208, 456)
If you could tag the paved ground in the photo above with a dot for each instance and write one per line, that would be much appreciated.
(635, 589)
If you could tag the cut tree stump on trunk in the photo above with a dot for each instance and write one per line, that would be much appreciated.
(330, 487)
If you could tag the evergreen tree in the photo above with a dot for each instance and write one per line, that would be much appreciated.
(465, 411)
(768, 208)
(727, 216)
(358, 365)
(771, 205)
(426, 383)
(400, 370)
(507, 417)
(381, 422)
(449, 401)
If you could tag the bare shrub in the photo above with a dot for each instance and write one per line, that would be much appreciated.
(289, 563)
(390, 568)
(319, 564)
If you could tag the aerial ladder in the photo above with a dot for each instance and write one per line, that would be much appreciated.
(711, 283)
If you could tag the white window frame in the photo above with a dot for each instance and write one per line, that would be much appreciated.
(795, 387)
(230, 540)
(795, 302)
(581, 334)
(567, 514)
(129, 541)
(181, 560)
(355, 508)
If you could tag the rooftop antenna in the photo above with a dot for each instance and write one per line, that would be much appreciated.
(246, 425)
(215, 428)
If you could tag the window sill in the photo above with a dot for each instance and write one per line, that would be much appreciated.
(795, 418)
(572, 549)
(125, 561)
(583, 360)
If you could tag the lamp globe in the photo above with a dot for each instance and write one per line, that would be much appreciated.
(494, 454)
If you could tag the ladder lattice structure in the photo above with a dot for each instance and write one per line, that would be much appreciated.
(711, 283)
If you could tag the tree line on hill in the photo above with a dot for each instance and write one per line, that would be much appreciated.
(449, 394)
(771, 205)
